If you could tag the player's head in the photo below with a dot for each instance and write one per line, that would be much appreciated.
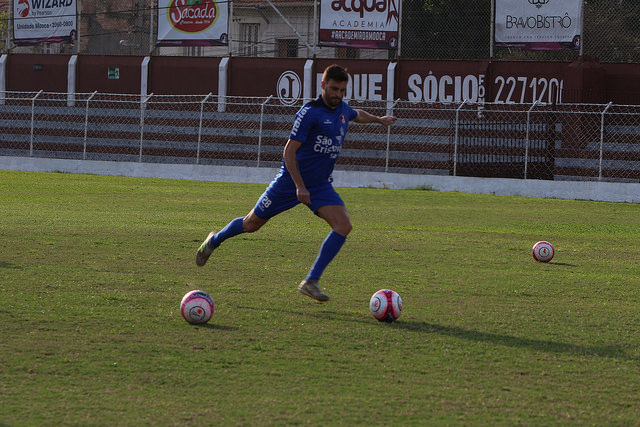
(335, 72)
(334, 85)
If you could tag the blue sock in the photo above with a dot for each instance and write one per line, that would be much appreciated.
(232, 229)
(329, 249)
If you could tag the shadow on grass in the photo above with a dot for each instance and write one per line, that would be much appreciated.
(218, 327)
(613, 351)
(610, 351)
(9, 265)
(566, 264)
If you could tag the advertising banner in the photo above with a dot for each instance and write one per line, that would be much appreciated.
(538, 24)
(365, 24)
(499, 82)
(39, 21)
(193, 23)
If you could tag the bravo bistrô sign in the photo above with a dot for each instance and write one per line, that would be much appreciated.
(539, 24)
(39, 21)
(193, 23)
(366, 24)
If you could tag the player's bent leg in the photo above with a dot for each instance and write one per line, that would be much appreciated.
(252, 222)
(337, 217)
(277, 198)
(214, 240)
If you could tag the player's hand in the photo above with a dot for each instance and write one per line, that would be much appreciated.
(303, 196)
(388, 120)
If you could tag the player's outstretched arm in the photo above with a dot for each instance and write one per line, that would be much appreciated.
(366, 117)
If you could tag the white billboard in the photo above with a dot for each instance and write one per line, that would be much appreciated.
(538, 24)
(193, 22)
(367, 24)
(37, 21)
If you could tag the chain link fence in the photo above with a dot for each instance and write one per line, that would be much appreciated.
(430, 29)
(531, 141)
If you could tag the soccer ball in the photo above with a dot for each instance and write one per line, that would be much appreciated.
(386, 305)
(542, 251)
(197, 307)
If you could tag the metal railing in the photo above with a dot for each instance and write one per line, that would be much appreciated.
(528, 141)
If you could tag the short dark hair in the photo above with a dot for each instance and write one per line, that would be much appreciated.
(335, 72)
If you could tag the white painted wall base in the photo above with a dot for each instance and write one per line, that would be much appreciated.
(578, 190)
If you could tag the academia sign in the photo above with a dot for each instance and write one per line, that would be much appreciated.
(539, 24)
(367, 24)
(192, 23)
(39, 21)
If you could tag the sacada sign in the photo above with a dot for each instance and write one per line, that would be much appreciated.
(192, 16)
(193, 23)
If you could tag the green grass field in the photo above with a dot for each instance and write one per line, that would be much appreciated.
(92, 271)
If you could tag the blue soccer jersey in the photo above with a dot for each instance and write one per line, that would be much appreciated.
(321, 130)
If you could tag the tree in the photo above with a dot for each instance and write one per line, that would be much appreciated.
(446, 29)
(461, 29)
(4, 29)
(612, 30)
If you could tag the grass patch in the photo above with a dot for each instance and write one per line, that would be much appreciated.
(92, 270)
(425, 187)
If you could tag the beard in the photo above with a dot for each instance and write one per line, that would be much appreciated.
(332, 101)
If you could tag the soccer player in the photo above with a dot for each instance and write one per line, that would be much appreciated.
(305, 176)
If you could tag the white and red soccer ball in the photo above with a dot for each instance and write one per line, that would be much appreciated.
(197, 307)
(386, 305)
(543, 251)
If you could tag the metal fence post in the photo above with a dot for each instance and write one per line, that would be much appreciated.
(33, 113)
(200, 127)
(455, 141)
(389, 113)
(602, 139)
(143, 106)
(86, 125)
(152, 11)
(526, 147)
(260, 131)
(3, 75)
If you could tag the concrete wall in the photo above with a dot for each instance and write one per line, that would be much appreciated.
(583, 81)
(576, 190)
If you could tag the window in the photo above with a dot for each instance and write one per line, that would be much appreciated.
(287, 48)
(347, 52)
(249, 44)
(51, 48)
(193, 50)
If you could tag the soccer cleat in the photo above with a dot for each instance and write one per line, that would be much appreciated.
(204, 251)
(311, 289)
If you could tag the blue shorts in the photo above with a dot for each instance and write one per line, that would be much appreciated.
(281, 195)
